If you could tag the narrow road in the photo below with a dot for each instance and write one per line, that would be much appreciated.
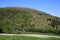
(32, 35)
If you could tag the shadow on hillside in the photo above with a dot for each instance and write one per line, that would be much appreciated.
(1, 31)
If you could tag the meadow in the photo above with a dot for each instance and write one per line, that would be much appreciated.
(24, 38)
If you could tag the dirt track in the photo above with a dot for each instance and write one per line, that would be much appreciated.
(32, 35)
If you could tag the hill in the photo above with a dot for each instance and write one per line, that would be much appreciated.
(18, 20)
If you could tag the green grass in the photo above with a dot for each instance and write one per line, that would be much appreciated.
(41, 33)
(25, 38)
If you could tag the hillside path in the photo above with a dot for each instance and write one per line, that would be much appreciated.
(32, 35)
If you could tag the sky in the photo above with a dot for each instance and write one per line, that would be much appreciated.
(50, 6)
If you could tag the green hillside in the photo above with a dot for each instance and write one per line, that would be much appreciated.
(18, 20)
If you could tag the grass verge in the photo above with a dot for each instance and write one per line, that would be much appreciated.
(25, 38)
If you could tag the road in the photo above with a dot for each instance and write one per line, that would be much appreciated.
(32, 35)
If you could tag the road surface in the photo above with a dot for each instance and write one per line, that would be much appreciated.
(32, 35)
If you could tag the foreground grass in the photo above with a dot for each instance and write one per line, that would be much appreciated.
(25, 38)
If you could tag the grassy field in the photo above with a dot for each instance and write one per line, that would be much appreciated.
(25, 38)
(54, 34)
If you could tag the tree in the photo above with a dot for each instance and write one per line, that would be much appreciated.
(54, 23)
